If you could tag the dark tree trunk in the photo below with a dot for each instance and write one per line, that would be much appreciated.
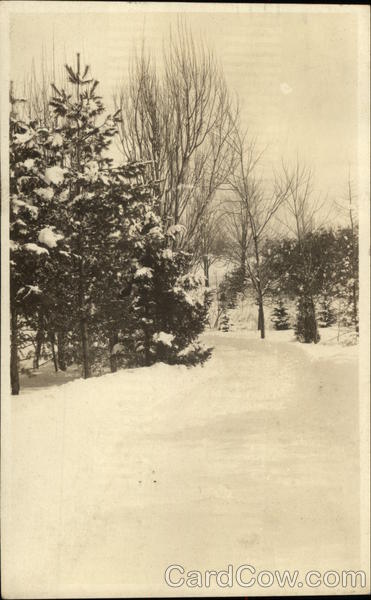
(113, 359)
(39, 342)
(54, 355)
(355, 308)
(206, 270)
(147, 350)
(261, 319)
(85, 348)
(84, 334)
(61, 343)
(306, 327)
(14, 374)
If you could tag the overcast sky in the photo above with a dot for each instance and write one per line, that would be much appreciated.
(295, 73)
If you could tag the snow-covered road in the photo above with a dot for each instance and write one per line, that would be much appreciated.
(252, 459)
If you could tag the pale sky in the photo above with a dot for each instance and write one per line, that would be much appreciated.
(296, 74)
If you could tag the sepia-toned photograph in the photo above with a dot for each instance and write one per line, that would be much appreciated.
(185, 297)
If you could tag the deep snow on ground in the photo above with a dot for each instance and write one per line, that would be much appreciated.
(251, 459)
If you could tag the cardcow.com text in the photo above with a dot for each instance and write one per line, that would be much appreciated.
(247, 576)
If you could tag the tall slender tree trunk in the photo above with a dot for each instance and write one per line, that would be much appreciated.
(206, 270)
(61, 344)
(54, 355)
(84, 334)
(113, 359)
(39, 341)
(14, 374)
(147, 348)
(355, 307)
(243, 261)
(261, 318)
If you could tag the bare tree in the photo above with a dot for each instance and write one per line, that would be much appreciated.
(208, 242)
(180, 122)
(253, 208)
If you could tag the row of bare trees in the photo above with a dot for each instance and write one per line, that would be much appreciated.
(182, 120)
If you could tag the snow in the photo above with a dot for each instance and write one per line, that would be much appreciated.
(23, 138)
(104, 178)
(174, 229)
(57, 140)
(251, 459)
(16, 203)
(335, 345)
(91, 171)
(45, 193)
(143, 272)
(31, 289)
(31, 247)
(115, 234)
(168, 254)
(156, 232)
(117, 348)
(13, 245)
(54, 175)
(48, 237)
(63, 196)
(29, 163)
(163, 338)
(186, 297)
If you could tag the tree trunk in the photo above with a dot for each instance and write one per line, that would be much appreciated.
(306, 329)
(39, 342)
(206, 270)
(147, 352)
(355, 308)
(261, 319)
(85, 348)
(14, 374)
(84, 334)
(61, 344)
(113, 359)
(54, 355)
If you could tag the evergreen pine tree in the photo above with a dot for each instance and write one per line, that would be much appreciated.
(168, 305)
(326, 314)
(90, 249)
(30, 198)
(280, 317)
(225, 324)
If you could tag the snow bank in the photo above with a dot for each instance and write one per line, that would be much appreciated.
(333, 345)
(152, 466)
